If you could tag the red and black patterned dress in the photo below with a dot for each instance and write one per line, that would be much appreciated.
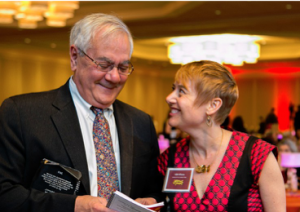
(218, 191)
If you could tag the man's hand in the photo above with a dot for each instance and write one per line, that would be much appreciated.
(146, 201)
(91, 204)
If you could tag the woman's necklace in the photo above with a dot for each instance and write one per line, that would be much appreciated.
(204, 168)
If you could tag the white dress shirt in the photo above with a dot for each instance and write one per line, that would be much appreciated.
(86, 119)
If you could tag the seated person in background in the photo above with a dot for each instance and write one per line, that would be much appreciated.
(203, 94)
(286, 145)
(271, 134)
(238, 124)
(226, 124)
(173, 134)
(271, 118)
(262, 126)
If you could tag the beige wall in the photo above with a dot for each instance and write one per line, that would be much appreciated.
(148, 86)
(145, 89)
(258, 95)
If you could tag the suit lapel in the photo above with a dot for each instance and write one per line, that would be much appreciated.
(125, 134)
(66, 121)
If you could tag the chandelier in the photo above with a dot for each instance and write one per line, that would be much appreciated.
(223, 48)
(29, 13)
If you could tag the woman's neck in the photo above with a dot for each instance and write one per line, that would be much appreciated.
(206, 142)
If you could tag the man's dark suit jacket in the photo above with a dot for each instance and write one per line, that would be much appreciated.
(45, 125)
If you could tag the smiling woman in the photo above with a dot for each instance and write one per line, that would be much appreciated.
(232, 168)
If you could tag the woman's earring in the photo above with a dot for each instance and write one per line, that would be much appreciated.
(208, 121)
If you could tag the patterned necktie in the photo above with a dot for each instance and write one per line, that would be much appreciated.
(107, 176)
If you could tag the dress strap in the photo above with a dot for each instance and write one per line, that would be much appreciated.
(243, 181)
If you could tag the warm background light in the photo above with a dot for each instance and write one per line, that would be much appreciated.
(38, 60)
(224, 48)
(29, 13)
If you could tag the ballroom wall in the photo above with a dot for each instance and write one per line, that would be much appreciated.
(260, 89)
(265, 85)
(145, 89)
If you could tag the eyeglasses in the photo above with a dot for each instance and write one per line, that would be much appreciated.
(106, 66)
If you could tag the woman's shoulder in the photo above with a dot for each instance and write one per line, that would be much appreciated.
(181, 145)
(239, 137)
(261, 147)
(257, 142)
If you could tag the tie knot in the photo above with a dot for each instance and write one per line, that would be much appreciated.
(96, 110)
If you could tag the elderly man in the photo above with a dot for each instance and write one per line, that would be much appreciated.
(81, 125)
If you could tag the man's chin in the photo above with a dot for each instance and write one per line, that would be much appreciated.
(104, 103)
(106, 98)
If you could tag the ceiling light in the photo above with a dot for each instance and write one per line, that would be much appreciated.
(7, 8)
(54, 22)
(27, 24)
(224, 48)
(6, 19)
(28, 13)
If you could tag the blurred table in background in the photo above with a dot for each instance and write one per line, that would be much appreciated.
(293, 201)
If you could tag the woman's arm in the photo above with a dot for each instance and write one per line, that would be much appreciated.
(271, 186)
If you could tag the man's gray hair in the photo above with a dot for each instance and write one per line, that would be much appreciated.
(83, 31)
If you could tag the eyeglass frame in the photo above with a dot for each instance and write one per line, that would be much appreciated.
(111, 66)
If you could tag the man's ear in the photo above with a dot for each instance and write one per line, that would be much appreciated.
(73, 56)
(214, 105)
